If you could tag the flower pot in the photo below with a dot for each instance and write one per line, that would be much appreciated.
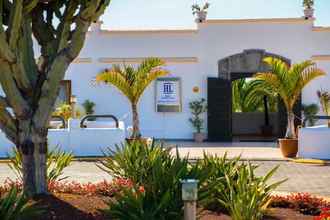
(199, 137)
(309, 13)
(289, 147)
(201, 16)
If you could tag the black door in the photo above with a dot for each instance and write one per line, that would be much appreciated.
(219, 118)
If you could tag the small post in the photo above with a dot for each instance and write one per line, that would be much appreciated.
(189, 197)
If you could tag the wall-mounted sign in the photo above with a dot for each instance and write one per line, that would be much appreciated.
(168, 95)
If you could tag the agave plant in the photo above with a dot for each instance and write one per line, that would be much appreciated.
(288, 83)
(132, 82)
(57, 160)
(248, 196)
(16, 206)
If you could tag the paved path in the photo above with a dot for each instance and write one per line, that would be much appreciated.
(314, 179)
(247, 150)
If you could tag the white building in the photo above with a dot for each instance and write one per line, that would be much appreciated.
(193, 55)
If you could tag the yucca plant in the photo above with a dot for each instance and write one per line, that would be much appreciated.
(16, 206)
(247, 196)
(132, 82)
(57, 160)
(288, 83)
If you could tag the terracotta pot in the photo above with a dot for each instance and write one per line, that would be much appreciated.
(289, 147)
(143, 140)
(199, 137)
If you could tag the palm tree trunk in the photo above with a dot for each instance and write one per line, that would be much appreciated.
(290, 131)
(136, 123)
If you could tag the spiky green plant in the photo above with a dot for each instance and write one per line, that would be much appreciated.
(16, 206)
(288, 83)
(132, 82)
(57, 161)
(248, 195)
(158, 171)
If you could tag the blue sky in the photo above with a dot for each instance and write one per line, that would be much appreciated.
(146, 14)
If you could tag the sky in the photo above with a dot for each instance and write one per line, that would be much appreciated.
(171, 14)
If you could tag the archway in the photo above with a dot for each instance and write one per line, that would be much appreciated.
(237, 66)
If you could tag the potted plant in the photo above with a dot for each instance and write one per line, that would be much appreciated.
(310, 111)
(324, 98)
(200, 11)
(132, 82)
(288, 83)
(89, 108)
(197, 108)
(309, 10)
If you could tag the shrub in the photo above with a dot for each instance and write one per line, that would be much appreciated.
(154, 168)
(197, 108)
(302, 202)
(57, 160)
(15, 206)
(248, 196)
(212, 189)
(324, 215)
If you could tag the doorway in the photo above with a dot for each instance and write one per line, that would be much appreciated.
(220, 109)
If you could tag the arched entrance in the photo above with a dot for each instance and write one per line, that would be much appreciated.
(231, 68)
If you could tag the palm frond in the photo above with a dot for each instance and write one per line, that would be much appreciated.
(118, 79)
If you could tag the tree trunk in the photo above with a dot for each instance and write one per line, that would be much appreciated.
(34, 149)
(136, 123)
(290, 131)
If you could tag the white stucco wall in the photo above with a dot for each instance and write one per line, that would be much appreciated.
(193, 56)
(295, 39)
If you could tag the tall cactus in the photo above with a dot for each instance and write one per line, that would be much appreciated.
(31, 85)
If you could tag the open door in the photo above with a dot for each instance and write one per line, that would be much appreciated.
(219, 109)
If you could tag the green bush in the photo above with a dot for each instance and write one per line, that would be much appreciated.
(225, 185)
(15, 206)
(57, 160)
(248, 195)
(212, 189)
(158, 171)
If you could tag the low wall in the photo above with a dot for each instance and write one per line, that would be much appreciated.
(314, 142)
(250, 122)
(81, 141)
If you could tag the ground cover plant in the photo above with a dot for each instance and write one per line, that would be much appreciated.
(301, 202)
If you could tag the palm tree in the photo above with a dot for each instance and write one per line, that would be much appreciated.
(247, 98)
(287, 82)
(132, 82)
